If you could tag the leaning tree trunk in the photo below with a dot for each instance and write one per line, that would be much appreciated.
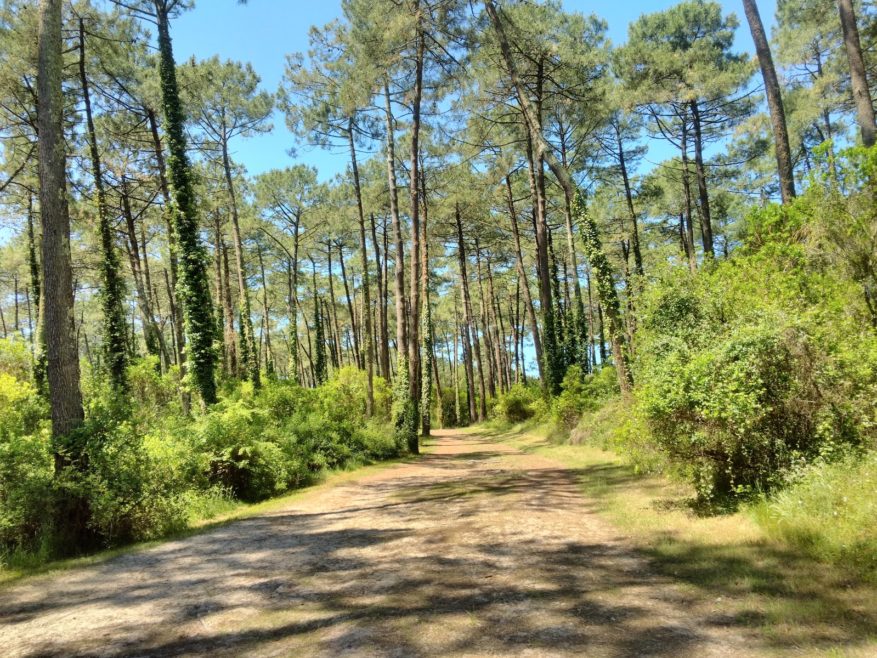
(606, 291)
(774, 102)
(112, 287)
(193, 287)
(858, 77)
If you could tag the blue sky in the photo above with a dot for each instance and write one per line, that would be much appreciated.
(264, 31)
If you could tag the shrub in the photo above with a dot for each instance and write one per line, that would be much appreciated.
(516, 405)
(15, 358)
(581, 393)
(752, 367)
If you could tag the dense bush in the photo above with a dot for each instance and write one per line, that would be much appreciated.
(148, 471)
(580, 394)
(516, 405)
(744, 371)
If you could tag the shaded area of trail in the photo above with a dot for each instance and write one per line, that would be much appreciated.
(474, 549)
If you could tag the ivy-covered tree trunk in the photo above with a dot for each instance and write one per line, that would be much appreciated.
(606, 292)
(177, 320)
(193, 288)
(112, 286)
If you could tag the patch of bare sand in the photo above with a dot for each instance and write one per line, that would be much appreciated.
(476, 549)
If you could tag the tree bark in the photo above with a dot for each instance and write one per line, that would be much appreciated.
(702, 191)
(414, 366)
(383, 329)
(115, 328)
(522, 277)
(774, 102)
(399, 266)
(368, 338)
(65, 397)
(177, 320)
(858, 77)
(468, 325)
(244, 307)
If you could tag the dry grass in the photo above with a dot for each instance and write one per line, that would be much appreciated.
(796, 604)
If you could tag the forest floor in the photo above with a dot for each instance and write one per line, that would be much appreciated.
(484, 546)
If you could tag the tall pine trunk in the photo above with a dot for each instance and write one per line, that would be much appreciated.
(774, 102)
(368, 337)
(65, 397)
(858, 77)
(112, 286)
(248, 339)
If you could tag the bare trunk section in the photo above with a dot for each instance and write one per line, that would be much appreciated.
(702, 192)
(65, 397)
(858, 77)
(522, 277)
(399, 266)
(774, 102)
(469, 322)
(368, 338)
(244, 307)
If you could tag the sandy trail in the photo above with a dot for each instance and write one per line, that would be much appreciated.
(476, 549)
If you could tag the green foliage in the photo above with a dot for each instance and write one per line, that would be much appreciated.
(581, 393)
(146, 471)
(516, 405)
(15, 358)
(829, 512)
(404, 410)
(756, 365)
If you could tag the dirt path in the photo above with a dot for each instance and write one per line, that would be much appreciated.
(476, 549)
